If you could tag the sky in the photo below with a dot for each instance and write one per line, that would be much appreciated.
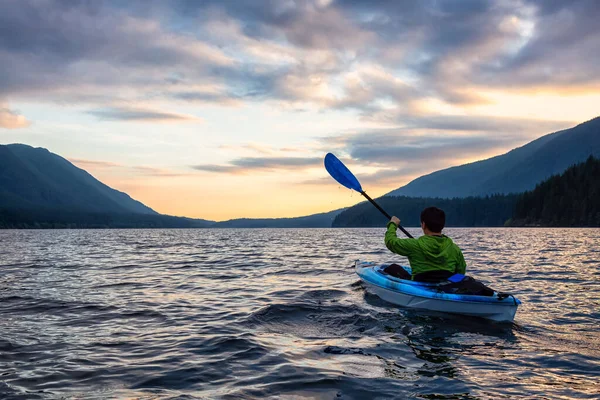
(222, 109)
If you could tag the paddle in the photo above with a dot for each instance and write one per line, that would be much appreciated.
(342, 174)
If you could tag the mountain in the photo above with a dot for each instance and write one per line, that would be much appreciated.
(39, 189)
(322, 220)
(569, 199)
(514, 172)
(34, 177)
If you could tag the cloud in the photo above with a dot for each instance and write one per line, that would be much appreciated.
(247, 164)
(102, 54)
(397, 155)
(560, 50)
(136, 114)
(12, 120)
(306, 24)
(210, 98)
(156, 172)
(260, 149)
(94, 164)
(365, 56)
(429, 143)
(444, 137)
(248, 147)
(422, 149)
(94, 47)
(386, 148)
(125, 170)
(391, 176)
(516, 127)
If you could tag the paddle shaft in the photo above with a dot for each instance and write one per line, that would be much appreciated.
(384, 213)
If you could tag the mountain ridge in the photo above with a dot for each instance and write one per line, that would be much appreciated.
(35, 177)
(516, 171)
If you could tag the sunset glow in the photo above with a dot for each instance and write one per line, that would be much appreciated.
(225, 109)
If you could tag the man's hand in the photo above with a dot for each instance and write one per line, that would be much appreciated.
(395, 220)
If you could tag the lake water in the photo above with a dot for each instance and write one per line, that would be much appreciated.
(261, 313)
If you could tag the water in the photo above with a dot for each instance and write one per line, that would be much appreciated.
(279, 313)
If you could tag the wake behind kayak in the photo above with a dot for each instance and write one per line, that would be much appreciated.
(428, 296)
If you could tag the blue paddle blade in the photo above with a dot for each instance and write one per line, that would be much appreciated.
(341, 173)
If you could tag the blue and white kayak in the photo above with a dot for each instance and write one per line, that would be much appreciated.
(423, 295)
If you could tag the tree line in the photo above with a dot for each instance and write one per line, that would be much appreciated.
(51, 218)
(569, 199)
(470, 211)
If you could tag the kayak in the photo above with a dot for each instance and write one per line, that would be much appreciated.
(422, 295)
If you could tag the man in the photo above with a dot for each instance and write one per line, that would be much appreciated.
(433, 257)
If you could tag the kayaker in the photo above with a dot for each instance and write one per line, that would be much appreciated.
(433, 257)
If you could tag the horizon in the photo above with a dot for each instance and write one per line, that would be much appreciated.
(219, 110)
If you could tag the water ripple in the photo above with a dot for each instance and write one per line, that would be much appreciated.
(237, 314)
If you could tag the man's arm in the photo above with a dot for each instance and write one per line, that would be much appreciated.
(396, 245)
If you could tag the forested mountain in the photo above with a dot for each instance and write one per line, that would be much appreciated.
(569, 199)
(470, 211)
(514, 172)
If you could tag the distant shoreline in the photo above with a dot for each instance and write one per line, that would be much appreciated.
(295, 228)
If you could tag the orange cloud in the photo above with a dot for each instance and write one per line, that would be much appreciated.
(11, 120)
(104, 168)
(140, 114)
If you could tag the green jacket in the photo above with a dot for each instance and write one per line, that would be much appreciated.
(426, 253)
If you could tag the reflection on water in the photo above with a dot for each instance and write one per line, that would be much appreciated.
(280, 313)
